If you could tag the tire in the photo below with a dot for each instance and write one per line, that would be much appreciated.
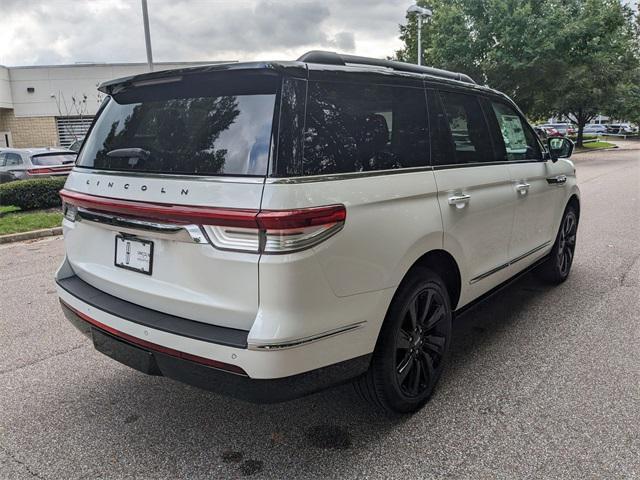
(412, 347)
(557, 268)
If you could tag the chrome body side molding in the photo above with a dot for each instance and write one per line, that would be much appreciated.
(304, 341)
(509, 263)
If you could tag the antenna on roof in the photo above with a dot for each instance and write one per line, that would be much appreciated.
(332, 58)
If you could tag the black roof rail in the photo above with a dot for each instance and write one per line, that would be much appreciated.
(332, 58)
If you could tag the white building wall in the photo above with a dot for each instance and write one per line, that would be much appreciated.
(5, 88)
(54, 87)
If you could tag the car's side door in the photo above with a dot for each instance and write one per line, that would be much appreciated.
(15, 165)
(475, 192)
(535, 195)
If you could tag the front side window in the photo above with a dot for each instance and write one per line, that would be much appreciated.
(518, 140)
(203, 128)
(468, 132)
(360, 127)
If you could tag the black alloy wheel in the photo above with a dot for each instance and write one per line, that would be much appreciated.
(412, 346)
(420, 342)
(557, 268)
(567, 243)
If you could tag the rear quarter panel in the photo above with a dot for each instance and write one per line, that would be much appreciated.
(391, 221)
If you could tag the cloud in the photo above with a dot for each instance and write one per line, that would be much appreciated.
(66, 31)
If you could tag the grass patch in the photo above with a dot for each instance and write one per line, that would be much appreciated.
(14, 221)
(7, 209)
(597, 145)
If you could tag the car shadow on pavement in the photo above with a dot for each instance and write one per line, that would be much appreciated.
(170, 423)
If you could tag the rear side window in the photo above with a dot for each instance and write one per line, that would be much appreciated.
(203, 127)
(52, 160)
(518, 140)
(359, 128)
(468, 136)
(13, 159)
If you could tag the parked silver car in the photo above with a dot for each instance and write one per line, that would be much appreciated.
(26, 163)
(594, 128)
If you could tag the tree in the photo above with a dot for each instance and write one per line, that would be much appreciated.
(598, 62)
(626, 105)
(565, 57)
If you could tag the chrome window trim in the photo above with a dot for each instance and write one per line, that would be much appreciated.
(395, 171)
(345, 176)
(509, 263)
(171, 176)
(297, 179)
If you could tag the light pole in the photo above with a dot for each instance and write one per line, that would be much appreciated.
(147, 34)
(421, 12)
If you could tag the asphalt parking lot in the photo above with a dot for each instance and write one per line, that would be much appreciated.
(542, 383)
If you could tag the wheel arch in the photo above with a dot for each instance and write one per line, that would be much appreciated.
(574, 201)
(443, 263)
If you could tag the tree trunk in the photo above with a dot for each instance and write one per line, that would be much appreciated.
(581, 120)
(580, 139)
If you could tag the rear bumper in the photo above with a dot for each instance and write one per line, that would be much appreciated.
(206, 356)
(152, 361)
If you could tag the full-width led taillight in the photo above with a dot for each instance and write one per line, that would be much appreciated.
(257, 231)
(48, 171)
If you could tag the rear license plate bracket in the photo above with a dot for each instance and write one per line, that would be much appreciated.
(134, 254)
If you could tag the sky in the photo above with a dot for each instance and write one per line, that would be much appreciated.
(45, 32)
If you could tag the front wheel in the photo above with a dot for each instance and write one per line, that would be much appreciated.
(412, 347)
(556, 269)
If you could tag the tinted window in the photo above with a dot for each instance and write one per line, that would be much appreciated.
(357, 127)
(517, 139)
(52, 160)
(13, 159)
(468, 133)
(292, 108)
(186, 129)
(3, 159)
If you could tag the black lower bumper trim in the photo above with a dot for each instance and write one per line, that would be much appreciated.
(214, 379)
(230, 337)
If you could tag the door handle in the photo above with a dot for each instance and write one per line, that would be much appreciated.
(523, 188)
(558, 180)
(459, 200)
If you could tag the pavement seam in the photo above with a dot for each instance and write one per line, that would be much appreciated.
(20, 462)
(57, 354)
(623, 277)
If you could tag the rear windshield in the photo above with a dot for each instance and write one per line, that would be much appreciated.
(53, 159)
(204, 128)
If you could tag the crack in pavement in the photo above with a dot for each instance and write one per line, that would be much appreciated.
(57, 354)
(623, 277)
(31, 472)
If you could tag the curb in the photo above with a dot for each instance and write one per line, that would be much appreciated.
(596, 150)
(18, 237)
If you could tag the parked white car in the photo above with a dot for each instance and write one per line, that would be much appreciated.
(271, 229)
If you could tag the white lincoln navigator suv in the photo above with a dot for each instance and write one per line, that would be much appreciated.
(270, 229)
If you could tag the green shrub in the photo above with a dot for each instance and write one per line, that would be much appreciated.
(32, 194)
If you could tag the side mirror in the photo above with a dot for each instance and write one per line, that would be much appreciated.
(559, 147)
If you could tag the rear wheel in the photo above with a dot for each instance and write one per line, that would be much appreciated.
(412, 347)
(556, 269)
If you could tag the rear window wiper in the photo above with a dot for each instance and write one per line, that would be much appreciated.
(129, 153)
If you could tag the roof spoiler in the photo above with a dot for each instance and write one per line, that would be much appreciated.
(332, 58)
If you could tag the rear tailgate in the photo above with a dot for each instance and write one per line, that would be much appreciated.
(188, 279)
(178, 144)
